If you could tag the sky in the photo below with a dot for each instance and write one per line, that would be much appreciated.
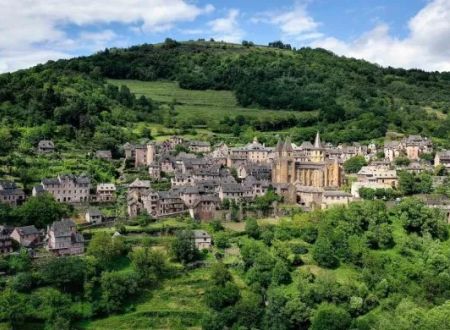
(399, 33)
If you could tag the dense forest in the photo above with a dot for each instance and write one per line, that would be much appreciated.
(352, 99)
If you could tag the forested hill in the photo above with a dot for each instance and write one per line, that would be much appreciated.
(356, 99)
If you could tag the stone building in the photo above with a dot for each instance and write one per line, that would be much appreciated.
(442, 158)
(46, 146)
(378, 173)
(199, 146)
(254, 152)
(106, 193)
(27, 236)
(103, 154)
(306, 168)
(66, 188)
(10, 194)
(6, 245)
(93, 216)
(202, 240)
(63, 238)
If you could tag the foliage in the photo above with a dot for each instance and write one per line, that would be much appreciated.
(183, 247)
(40, 211)
(354, 164)
(252, 227)
(117, 288)
(419, 219)
(65, 273)
(410, 183)
(148, 264)
(330, 317)
(106, 248)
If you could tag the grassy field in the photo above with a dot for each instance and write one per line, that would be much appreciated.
(209, 105)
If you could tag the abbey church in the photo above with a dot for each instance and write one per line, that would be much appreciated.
(307, 165)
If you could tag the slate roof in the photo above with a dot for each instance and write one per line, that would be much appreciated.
(46, 144)
(27, 230)
(197, 234)
(63, 227)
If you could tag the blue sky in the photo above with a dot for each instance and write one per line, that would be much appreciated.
(401, 33)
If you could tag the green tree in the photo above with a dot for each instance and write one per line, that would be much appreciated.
(324, 253)
(13, 308)
(402, 161)
(219, 297)
(183, 248)
(148, 264)
(252, 228)
(106, 248)
(41, 210)
(67, 274)
(354, 164)
(117, 288)
(280, 273)
(330, 317)
(220, 275)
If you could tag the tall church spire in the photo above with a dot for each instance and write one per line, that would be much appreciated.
(317, 143)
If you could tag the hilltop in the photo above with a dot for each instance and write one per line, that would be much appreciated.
(305, 90)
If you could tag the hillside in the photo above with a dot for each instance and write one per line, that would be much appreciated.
(345, 98)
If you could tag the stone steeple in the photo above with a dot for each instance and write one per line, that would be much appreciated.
(279, 147)
(288, 145)
(317, 142)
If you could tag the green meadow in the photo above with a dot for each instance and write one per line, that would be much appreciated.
(209, 105)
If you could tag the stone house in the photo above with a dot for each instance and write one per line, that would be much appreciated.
(205, 208)
(129, 150)
(6, 245)
(27, 236)
(63, 238)
(105, 192)
(140, 158)
(254, 152)
(94, 216)
(379, 174)
(66, 188)
(139, 186)
(335, 197)
(231, 191)
(202, 240)
(416, 145)
(442, 158)
(46, 146)
(103, 154)
(392, 150)
(154, 171)
(258, 171)
(199, 146)
(10, 194)
(167, 165)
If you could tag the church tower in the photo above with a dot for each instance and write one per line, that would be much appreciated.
(318, 152)
(151, 153)
(283, 170)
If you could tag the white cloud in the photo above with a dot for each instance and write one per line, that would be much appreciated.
(294, 23)
(227, 28)
(427, 45)
(35, 28)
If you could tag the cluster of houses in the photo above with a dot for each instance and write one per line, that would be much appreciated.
(60, 238)
(203, 178)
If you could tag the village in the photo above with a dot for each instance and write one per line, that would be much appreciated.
(221, 183)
